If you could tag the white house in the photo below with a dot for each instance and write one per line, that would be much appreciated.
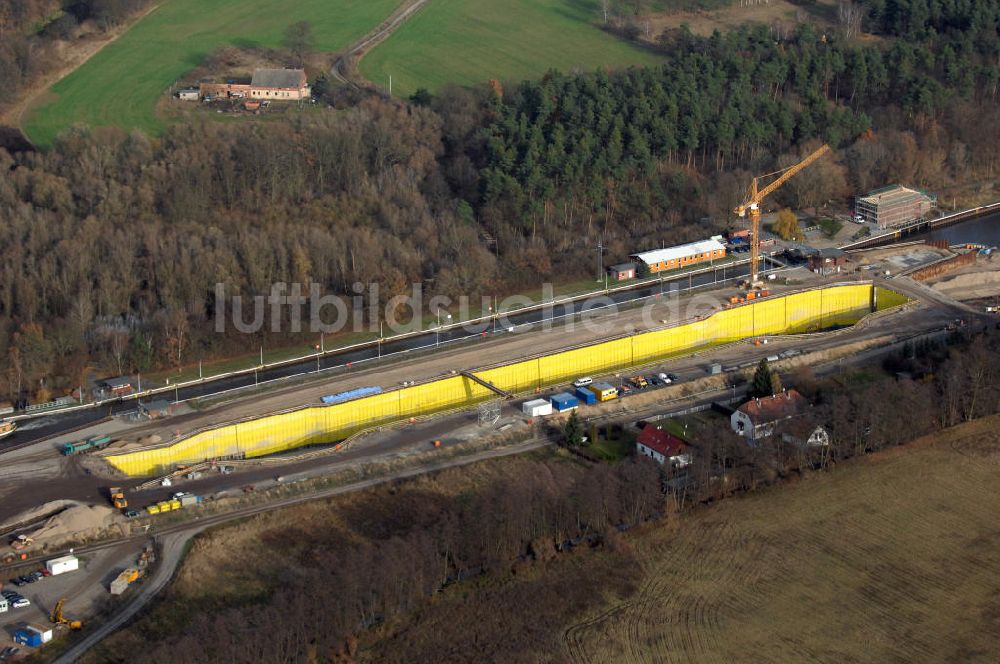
(662, 447)
(757, 418)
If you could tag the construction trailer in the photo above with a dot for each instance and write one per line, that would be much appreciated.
(586, 396)
(537, 407)
(62, 565)
(564, 401)
(33, 636)
(604, 391)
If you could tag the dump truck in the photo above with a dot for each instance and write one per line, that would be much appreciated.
(117, 496)
(92, 443)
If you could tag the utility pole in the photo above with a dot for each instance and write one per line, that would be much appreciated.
(600, 258)
(390, 85)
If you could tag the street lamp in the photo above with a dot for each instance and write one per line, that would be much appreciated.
(437, 340)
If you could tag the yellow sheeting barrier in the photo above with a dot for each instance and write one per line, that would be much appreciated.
(808, 311)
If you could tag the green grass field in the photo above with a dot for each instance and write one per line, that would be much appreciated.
(121, 85)
(469, 41)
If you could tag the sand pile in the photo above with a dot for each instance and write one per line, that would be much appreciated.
(76, 521)
(40, 512)
(144, 441)
(971, 286)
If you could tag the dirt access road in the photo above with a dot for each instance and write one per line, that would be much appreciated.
(345, 67)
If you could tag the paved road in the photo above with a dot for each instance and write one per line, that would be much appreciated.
(51, 425)
(171, 553)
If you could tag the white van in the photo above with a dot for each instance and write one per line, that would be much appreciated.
(583, 382)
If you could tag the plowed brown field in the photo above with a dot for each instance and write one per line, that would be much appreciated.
(896, 558)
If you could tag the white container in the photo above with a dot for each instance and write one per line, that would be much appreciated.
(3, 605)
(537, 407)
(41, 630)
(62, 565)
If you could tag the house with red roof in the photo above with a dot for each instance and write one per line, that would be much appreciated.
(757, 418)
(663, 447)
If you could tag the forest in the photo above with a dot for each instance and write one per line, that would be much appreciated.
(112, 243)
(395, 554)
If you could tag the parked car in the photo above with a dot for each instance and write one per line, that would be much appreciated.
(583, 382)
(20, 603)
(131, 513)
(664, 378)
(673, 377)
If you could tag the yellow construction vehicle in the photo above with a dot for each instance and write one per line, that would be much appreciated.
(58, 618)
(756, 197)
(118, 498)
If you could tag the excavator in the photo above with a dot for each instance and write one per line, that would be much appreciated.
(756, 197)
(58, 618)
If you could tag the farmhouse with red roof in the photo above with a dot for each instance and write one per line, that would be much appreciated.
(662, 447)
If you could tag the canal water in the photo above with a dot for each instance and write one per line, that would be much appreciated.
(981, 230)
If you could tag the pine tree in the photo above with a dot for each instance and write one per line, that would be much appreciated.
(763, 381)
(574, 430)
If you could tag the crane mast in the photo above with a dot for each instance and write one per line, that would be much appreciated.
(757, 196)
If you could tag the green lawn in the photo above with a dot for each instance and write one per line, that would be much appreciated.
(121, 85)
(470, 41)
(830, 227)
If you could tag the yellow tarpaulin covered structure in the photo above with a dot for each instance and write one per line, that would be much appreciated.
(807, 311)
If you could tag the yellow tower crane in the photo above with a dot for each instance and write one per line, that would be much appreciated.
(756, 197)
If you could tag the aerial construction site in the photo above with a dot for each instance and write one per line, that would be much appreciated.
(96, 518)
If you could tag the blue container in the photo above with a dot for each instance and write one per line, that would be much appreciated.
(28, 637)
(586, 396)
(564, 401)
(350, 394)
